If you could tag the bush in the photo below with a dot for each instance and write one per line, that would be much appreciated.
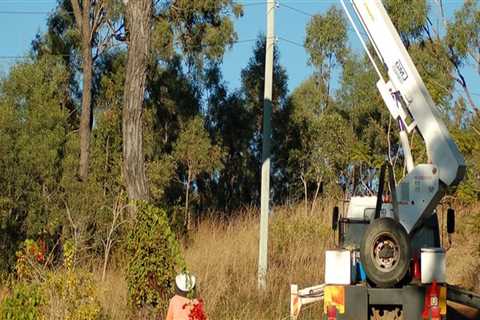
(154, 259)
(72, 296)
(65, 294)
(30, 260)
(23, 303)
(72, 293)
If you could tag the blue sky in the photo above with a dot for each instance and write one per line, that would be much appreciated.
(20, 20)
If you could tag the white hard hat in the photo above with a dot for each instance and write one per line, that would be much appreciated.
(185, 282)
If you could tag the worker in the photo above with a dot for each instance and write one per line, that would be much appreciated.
(183, 306)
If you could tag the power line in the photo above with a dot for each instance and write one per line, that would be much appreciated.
(27, 2)
(13, 57)
(292, 42)
(20, 57)
(296, 10)
(247, 4)
(25, 12)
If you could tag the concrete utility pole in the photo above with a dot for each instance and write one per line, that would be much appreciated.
(267, 133)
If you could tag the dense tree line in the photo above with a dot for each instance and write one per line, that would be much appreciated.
(125, 100)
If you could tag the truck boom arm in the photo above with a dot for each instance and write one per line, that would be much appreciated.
(408, 99)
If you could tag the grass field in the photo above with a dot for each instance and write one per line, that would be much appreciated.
(223, 255)
(225, 259)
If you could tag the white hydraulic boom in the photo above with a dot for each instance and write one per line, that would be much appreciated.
(408, 100)
(370, 270)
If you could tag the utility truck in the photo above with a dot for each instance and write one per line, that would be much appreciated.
(390, 263)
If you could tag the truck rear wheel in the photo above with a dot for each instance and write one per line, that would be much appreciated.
(385, 252)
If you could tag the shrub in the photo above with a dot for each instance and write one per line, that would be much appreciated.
(30, 260)
(154, 258)
(23, 303)
(72, 296)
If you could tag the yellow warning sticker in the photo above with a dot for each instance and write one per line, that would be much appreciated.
(443, 300)
(334, 296)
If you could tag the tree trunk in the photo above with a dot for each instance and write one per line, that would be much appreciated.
(315, 196)
(305, 192)
(86, 116)
(138, 24)
(105, 258)
(82, 18)
(187, 212)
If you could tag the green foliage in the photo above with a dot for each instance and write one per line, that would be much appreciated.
(248, 133)
(72, 295)
(467, 140)
(33, 129)
(233, 125)
(201, 134)
(463, 31)
(326, 39)
(309, 100)
(433, 64)
(88, 205)
(363, 106)
(253, 81)
(24, 303)
(325, 139)
(409, 17)
(160, 173)
(154, 258)
(30, 260)
(194, 150)
(41, 293)
(202, 28)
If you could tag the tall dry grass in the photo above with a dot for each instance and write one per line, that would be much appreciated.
(112, 294)
(224, 258)
(463, 248)
(223, 255)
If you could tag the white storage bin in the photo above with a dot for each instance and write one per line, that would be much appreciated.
(338, 267)
(433, 265)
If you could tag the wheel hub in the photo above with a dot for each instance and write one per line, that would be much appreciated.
(386, 252)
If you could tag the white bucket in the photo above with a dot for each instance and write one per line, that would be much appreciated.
(433, 267)
(338, 267)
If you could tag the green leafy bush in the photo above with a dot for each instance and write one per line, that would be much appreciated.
(23, 303)
(71, 294)
(42, 293)
(154, 258)
(30, 260)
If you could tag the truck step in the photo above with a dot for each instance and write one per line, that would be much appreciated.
(463, 296)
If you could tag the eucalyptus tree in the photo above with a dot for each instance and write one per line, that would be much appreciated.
(252, 93)
(92, 19)
(33, 133)
(463, 40)
(200, 31)
(196, 153)
(325, 41)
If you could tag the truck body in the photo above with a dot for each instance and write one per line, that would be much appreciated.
(357, 299)
(389, 263)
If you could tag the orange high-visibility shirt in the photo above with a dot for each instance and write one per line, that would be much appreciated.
(176, 310)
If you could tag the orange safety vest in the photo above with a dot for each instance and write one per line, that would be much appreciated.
(179, 308)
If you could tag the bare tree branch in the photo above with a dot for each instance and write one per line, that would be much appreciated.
(98, 19)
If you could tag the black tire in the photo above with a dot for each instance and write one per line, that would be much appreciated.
(385, 252)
